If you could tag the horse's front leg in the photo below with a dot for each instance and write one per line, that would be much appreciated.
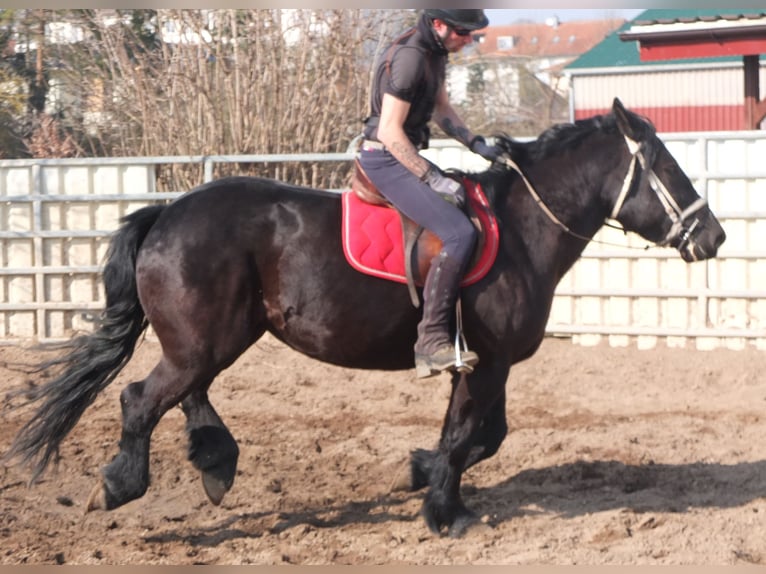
(472, 398)
(491, 433)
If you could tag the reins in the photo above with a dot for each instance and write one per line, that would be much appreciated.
(674, 212)
(506, 160)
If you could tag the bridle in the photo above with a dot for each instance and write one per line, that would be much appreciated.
(678, 229)
(678, 217)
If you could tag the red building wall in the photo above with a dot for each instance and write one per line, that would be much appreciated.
(675, 98)
(684, 118)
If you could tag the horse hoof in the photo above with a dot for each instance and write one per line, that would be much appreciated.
(97, 499)
(215, 488)
(468, 525)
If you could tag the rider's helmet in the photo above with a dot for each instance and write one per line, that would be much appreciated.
(467, 19)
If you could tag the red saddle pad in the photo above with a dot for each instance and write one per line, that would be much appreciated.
(373, 242)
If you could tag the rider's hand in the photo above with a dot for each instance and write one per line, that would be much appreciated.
(447, 187)
(489, 152)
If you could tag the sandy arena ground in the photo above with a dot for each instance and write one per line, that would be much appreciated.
(614, 456)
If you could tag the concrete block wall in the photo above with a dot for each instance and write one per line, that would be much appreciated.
(53, 239)
(56, 216)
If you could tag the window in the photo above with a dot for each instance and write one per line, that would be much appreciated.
(505, 43)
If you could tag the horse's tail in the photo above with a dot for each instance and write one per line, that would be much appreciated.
(90, 361)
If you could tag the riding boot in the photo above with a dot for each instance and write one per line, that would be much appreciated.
(434, 351)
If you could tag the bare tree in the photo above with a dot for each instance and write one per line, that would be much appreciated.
(13, 93)
(505, 96)
(233, 82)
(25, 127)
(212, 82)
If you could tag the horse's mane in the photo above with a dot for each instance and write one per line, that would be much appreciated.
(549, 142)
(556, 138)
(552, 141)
(563, 136)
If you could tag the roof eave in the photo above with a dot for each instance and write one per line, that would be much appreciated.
(664, 32)
(601, 71)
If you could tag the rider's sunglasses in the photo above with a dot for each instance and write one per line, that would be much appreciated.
(461, 31)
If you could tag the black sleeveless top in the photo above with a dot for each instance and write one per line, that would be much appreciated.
(413, 69)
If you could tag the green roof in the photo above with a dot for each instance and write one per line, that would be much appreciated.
(614, 53)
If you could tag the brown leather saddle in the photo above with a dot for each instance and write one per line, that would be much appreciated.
(420, 244)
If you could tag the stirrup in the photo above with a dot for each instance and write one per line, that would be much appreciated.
(461, 345)
(463, 360)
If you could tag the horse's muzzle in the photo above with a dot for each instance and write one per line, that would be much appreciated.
(701, 239)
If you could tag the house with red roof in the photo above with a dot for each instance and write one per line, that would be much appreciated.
(517, 70)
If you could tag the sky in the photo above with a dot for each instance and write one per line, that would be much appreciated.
(499, 17)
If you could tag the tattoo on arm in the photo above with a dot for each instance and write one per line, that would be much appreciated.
(409, 157)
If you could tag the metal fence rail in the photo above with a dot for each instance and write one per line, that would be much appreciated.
(56, 216)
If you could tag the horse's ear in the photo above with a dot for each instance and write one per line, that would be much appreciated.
(623, 119)
(629, 124)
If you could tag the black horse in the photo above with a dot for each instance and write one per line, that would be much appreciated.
(238, 257)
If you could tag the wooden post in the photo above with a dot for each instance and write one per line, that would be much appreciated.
(755, 110)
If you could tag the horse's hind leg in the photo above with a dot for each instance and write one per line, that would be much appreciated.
(212, 449)
(143, 403)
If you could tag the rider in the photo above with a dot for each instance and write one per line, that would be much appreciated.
(408, 88)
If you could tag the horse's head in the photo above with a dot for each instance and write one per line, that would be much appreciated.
(657, 200)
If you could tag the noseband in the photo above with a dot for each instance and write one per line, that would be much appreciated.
(678, 230)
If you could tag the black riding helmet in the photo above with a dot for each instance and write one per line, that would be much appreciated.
(465, 18)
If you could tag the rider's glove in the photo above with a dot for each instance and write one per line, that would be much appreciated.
(447, 187)
(489, 152)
